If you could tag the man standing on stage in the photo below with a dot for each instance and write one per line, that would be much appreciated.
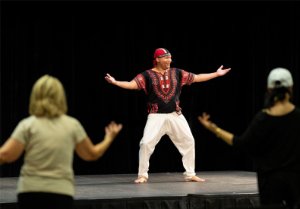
(162, 85)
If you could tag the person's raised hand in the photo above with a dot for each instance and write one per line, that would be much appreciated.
(109, 78)
(204, 119)
(222, 71)
(113, 129)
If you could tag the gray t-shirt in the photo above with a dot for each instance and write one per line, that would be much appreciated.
(49, 150)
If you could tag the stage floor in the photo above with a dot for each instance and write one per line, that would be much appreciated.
(159, 185)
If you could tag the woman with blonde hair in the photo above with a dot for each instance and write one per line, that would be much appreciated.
(49, 137)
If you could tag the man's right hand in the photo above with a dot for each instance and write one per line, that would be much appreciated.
(110, 79)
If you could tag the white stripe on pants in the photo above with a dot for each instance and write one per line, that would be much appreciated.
(178, 130)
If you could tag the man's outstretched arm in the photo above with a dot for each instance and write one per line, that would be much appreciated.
(132, 85)
(207, 76)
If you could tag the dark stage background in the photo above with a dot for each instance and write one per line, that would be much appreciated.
(79, 42)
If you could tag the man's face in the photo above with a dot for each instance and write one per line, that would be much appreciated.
(164, 62)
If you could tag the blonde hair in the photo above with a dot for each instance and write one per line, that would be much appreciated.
(47, 98)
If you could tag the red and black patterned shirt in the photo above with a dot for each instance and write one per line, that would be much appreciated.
(163, 90)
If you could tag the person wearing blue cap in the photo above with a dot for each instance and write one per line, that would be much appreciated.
(162, 84)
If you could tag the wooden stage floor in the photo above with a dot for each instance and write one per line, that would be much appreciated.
(120, 188)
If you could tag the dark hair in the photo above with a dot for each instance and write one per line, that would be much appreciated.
(276, 94)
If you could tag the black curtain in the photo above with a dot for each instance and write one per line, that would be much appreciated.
(80, 41)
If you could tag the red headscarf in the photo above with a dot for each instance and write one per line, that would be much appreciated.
(160, 52)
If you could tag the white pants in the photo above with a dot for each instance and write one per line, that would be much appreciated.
(177, 128)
